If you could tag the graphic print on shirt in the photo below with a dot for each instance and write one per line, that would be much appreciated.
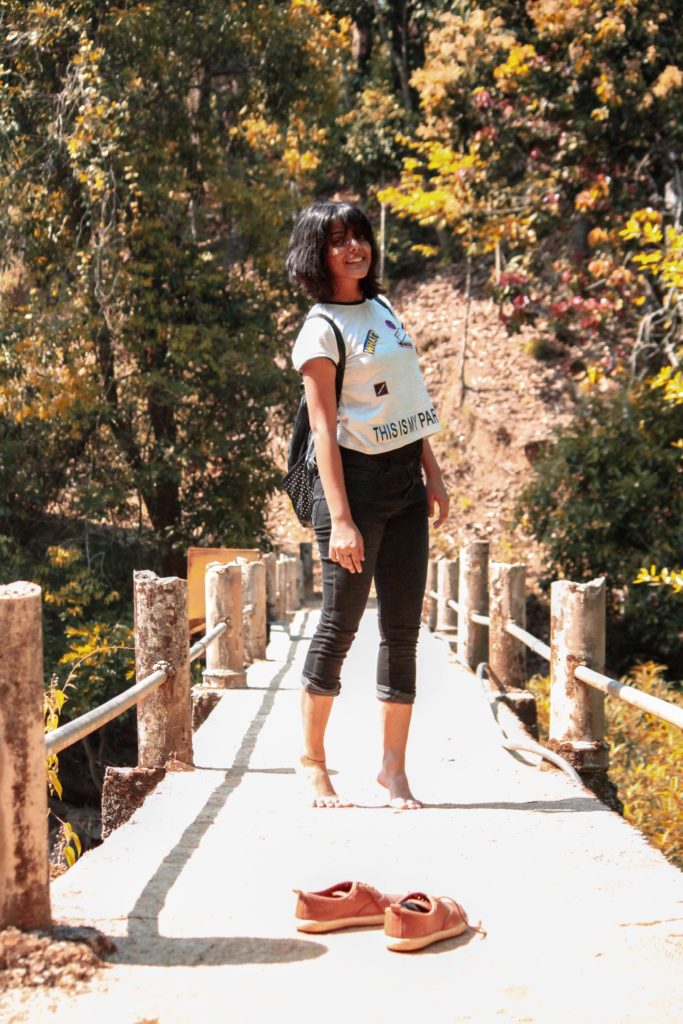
(370, 343)
(406, 425)
(400, 335)
(384, 403)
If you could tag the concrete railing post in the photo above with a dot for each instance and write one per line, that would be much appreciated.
(507, 603)
(473, 597)
(24, 879)
(162, 637)
(577, 637)
(292, 584)
(254, 581)
(224, 667)
(447, 590)
(429, 605)
(507, 655)
(306, 554)
(225, 656)
(270, 562)
(299, 582)
(282, 589)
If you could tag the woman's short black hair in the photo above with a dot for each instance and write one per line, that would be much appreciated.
(306, 261)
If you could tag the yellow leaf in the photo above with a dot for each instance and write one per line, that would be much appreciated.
(53, 781)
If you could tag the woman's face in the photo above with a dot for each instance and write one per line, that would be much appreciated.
(348, 256)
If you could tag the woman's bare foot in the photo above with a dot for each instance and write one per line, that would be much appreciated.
(400, 796)
(395, 719)
(315, 773)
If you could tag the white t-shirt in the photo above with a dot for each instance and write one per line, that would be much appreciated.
(384, 402)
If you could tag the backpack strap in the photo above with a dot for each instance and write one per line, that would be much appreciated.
(341, 365)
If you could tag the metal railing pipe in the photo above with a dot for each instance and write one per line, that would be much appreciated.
(532, 642)
(200, 646)
(671, 713)
(72, 732)
(82, 726)
(529, 745)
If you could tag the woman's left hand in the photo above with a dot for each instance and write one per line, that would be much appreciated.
(437, 495)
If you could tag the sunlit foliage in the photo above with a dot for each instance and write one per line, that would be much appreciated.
(151, 166)
(607, 499)
(68, 843)
(543, 126)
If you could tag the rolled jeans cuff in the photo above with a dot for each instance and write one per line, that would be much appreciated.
(321, 691)
(391, 696)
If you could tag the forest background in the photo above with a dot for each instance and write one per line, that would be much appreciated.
(153, 157)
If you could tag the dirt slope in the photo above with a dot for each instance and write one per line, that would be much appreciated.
(493, 428)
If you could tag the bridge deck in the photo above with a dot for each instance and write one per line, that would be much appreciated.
(584, 918)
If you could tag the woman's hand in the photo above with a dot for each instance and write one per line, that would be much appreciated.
(346, 545)
(436, 491)
(437, 495)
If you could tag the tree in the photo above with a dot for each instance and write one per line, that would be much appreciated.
(543, 126)
(152, 158)
(606, 500)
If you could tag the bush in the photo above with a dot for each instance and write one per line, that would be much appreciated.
(86, 582)
(607, 499)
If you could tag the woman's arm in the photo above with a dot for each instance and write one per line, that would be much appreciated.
(346, 542)
(436, 491)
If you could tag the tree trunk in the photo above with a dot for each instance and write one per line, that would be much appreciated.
(160, 492)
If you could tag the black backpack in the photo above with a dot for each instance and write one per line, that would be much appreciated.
(301, 466)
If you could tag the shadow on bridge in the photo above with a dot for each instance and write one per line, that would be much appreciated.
(145, 944)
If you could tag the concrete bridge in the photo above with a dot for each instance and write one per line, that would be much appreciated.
(583, 919)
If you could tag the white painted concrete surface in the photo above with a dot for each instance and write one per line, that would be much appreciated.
(584, 918)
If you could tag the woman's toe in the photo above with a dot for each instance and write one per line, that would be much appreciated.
(405, 804)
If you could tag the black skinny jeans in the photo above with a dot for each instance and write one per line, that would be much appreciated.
(388, 504)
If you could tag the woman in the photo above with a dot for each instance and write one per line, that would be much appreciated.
(371, 504)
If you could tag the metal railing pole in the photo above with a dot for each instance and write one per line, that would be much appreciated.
(665, 710)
